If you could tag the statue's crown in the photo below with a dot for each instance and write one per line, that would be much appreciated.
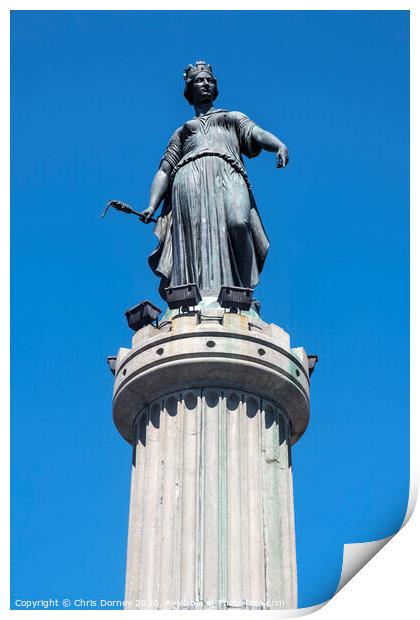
(190, 72)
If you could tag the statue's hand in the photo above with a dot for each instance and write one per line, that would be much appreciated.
(146, 215)
(282, 158)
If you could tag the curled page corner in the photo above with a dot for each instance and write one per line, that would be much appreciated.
(357, 555)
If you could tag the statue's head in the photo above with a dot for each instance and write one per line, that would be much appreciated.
(200, 83)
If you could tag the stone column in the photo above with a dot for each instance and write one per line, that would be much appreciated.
(212, 405)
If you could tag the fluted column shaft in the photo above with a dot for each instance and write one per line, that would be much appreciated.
(211, 514)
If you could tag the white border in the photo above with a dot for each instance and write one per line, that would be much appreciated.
(387, 585)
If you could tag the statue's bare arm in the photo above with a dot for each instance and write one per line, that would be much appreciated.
(158, 189)
(269, 142)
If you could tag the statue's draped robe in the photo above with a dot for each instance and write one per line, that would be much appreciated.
(210, 231)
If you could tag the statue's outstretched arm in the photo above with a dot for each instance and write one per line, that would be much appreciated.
(269, 142)
(159, 187)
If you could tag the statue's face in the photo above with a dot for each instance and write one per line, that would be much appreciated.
(203, 88)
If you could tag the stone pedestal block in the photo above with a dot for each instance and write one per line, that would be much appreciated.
(212, 405)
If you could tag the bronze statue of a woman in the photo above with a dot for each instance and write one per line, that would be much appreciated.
(209, 230)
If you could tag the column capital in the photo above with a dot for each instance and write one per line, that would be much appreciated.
(232, 351)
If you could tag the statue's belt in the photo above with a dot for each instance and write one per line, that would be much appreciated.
(234, 163)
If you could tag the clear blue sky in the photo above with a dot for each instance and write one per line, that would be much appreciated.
(95, 97)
